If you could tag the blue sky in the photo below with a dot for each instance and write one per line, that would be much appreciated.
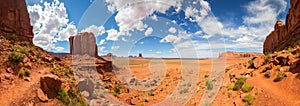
(157, 28)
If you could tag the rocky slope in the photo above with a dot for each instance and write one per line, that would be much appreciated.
(238, 54)
(14, 19)
(287, 35)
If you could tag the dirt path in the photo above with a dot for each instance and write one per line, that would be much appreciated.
(275, 91)
(20, 87)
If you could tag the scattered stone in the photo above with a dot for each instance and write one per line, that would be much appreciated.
(42, 96)
(9, 70)
(259, 61)
(50, 84)
(27, 79)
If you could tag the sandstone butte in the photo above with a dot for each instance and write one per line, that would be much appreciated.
(14, 19)
(285, 35)
(83, 43)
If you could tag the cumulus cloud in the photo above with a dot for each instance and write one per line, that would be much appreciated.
(95, 30)
(115, 47)
(59, 48)
(149, 31)
(50, 23)
(172, 30)
(102, 42)
(112, 34)
(170, 38)
(131, 13)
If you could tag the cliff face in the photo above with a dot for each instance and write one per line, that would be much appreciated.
(83, 43)
(285, 35)
(14, 19)
(238, 55)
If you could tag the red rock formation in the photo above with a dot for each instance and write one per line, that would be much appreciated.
(83, 43)
(238, 55)
(285, 35)
(140, 55)
(14, 18)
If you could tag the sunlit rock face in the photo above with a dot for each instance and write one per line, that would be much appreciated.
(285, 35)
(83, 43)
(14, 19)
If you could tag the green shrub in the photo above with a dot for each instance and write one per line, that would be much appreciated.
(239, 83)
(248, 99)
(24, 51)
(71, 98)
(229, 94)
(251, 63)
(27, 72)
(267, 59)
(230, 86)
(15, 58)
(247, 87)
(13, 37)
(21, 73)
(186, 90)
(206, 76)
(290, 49)
(25, 43)
(279, 77)
(117, 90)
(209, 85)
(297, 55)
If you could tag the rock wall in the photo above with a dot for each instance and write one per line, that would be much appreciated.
(14, 18)
(238, 55)
(83, 43)
(285, 35)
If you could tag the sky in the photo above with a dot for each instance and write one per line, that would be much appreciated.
(157, 28)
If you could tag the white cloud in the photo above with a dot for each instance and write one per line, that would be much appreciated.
(112, 34)
(65, 33)
(172, 30)
(59, 48)
(95, 30)
(102, 48)
(158, 52)
(130, 15)
(102, 42)
(123, 39)
(142, 43)
(50, 23)
(170, 38)
(149, 31)
(115, 47)
(154, 17)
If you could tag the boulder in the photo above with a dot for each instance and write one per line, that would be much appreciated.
(285, 35)
(259, 61)
(50, 84)
(83, 43)
(42, 96)
(14, 19)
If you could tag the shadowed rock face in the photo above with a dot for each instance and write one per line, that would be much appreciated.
(14, 18)
(285, 35)
(83, 43)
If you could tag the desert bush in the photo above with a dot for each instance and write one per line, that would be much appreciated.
(150, 93)
(13, 37)
(24, 51)
(248, 99)
(117, 90)
(206, 76)
(186, 90)
(71, 98)
(15, 58)
(279, 77)
(230, 86)
(229, 94)
(247, 87)
(268, 74)
(290, 49)
(297, 55)
(251, 63)
(27, 72)
(21, 73)
(267, 59)
(209, 85)
(25, 43)
(239, 83)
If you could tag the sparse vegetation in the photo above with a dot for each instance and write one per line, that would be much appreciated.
(117, 90)
(71, 98)
(230, 86)
(247, 87)
(150, 93)
(297, 55)
(209, 85)
(24, 51)
(268, 74)
(185, 90)
(267, 59)
(13, 37)
(290, 49)
(15, 58)
(248, 99)
(25, 43)
(251, 63)
(21, 73)
(279, 77)
(229, 94)
(27, 72)
(239, 83)
(206, 76)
